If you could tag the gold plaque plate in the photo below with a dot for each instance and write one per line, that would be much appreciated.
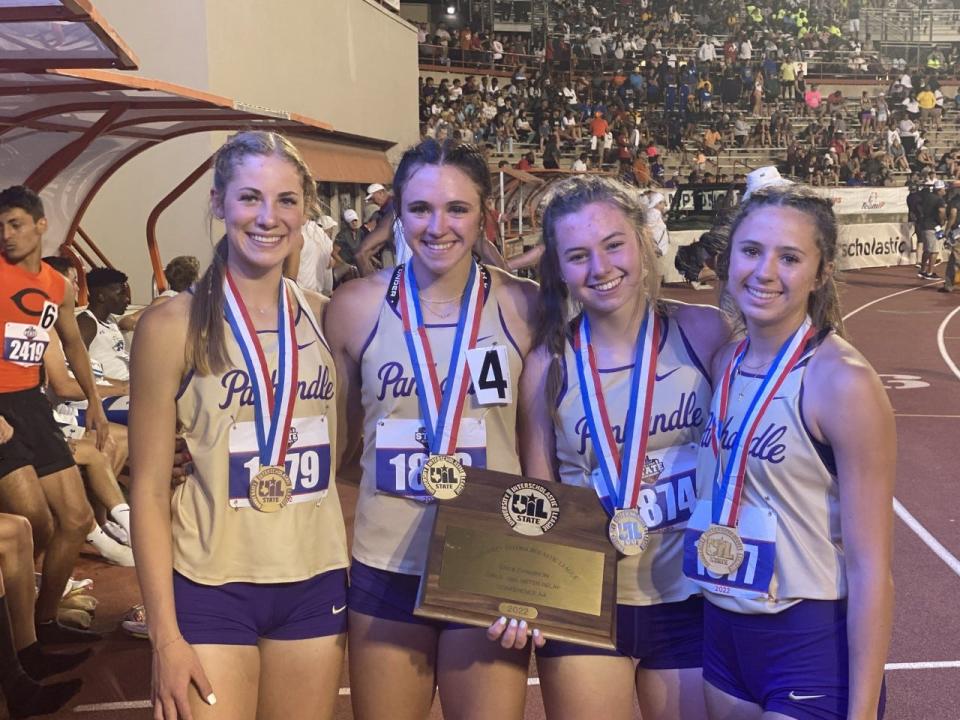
(531, 573)
(561, 579)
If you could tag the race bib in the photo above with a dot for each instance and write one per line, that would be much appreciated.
(667, 504)
(758, 531)
(490, 373)
(402, 449)
(24, 344)
(307, 462)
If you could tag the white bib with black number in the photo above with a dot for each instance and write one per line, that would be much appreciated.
(490, 372)
(24, 344)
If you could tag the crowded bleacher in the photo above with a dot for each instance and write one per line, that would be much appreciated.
(662, 93)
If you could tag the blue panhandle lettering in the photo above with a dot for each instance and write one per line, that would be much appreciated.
(686, 415)
(238, 388)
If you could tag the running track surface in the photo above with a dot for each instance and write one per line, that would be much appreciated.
(911, 335)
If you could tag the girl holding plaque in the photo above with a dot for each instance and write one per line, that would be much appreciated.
(616, 399)
(791, 538)
(243, 569)
(410, 342)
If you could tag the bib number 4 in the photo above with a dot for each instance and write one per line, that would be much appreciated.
(490, 371)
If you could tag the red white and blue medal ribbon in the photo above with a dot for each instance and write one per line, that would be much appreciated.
(273, 406)
(440, 409)
(621, 474)
(728, 485)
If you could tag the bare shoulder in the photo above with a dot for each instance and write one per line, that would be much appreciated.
(537, 361)
(705, 326)
(160, 328)
(518, 294)
(352, 311)
(317, 302)
(518, 300)
(844, 401)
(839, 372)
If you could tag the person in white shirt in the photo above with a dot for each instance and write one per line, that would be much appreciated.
(311, 264)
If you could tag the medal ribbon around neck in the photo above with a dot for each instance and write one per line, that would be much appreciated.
(622, 476)
(728, 487)
(440, 411)
(273, 409)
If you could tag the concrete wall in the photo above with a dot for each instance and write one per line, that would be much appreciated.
(350, 63)
(169, 39)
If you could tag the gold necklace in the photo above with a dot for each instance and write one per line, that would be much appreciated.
(434, 305)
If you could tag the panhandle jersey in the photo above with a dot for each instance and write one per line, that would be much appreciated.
(217, 536)
(790, 515)
(29, 306)
(394, 514)
(680, 406)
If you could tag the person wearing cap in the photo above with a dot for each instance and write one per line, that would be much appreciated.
(383, 232)
(348, 240)
(934, 219)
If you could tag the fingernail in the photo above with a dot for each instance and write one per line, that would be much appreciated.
(502, 620)
(211, 699)
(536, 633)
(513, 622)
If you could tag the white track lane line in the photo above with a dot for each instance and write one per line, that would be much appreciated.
(925, 535)
(145, 704)
(943, 348)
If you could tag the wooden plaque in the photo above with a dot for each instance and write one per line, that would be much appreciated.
(522, 548)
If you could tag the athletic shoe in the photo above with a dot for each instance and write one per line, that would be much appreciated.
(72, 586)
(929, 276)
(944, 290)
(135, 622)
(117, 532)
(111, 550)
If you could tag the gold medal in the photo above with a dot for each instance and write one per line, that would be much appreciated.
(720, 549)
(443, 477)
(270, 489)
(627, 532)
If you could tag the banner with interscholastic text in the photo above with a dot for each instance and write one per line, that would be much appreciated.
(860, 246)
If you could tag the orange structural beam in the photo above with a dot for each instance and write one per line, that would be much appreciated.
(153, 247)
(93, 246)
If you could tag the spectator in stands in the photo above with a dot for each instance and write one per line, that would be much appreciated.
(927, 102)
(383, 232)
(109, 295)
(813, 101)
(348, 241)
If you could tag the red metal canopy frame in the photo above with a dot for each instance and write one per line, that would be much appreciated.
(66, 132)
(59, 33)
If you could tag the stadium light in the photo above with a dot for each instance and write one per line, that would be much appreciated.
(451, 10)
